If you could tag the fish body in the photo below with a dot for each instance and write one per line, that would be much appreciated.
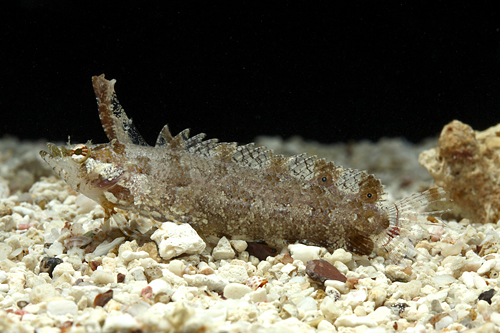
(223, 189)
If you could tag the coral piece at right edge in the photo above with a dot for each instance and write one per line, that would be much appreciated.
(467, 165)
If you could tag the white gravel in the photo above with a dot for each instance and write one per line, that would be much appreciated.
(173, 281)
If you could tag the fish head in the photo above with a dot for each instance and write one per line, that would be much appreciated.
(92, 170)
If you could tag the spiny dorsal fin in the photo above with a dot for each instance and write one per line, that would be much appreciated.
(178, 142)
(260, 158)
(369, 188)
(252, 157)
(302, 166)
(164, 137)
(114, 120)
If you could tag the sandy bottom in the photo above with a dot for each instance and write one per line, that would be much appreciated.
(59, 272)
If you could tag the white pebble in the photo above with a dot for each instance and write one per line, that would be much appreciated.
(23, 211)
(341, 255)
(444, 322)
(264, 266)
(236, 290)
(479, 282)
(173, 240)
(260, 295)
(381, 315)
(177, 267)
(120, 323)
(303, 252)
(233, 273)
(160, 286)
(55, 249)
(443, 279)
(326, 326)
(223, 250)
(42, 292)
(495, 318)
(212, 282)
(339, 285)
(468, 279)
(102, 276)
(308, 304)
(17, 281)
(356, 297)
(288, 268)
(61, 269)
(239, 245)
(128, 256)
(62, 307)
(137, 274)
(487, 266)
(353, 321)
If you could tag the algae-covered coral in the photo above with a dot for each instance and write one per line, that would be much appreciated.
(466, 164)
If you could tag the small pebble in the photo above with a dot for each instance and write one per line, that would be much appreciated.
(236, 290)
(42, 292)
(234, 274)
(48, 264)
(103, 298)
(321, 270)
(487, 295)
(223, 250)
(239, 245)
(120, 323)
(444, 322)
(62, 307)
(303, 252)
(436, 306)
(101, 276)
(308, 304)
(120, 278)
(176, 239)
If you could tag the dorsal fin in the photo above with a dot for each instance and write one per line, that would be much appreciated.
(369, 188)
(302, 166)
(251, 156)
(350, 180)
(164, 137)
(114, 120)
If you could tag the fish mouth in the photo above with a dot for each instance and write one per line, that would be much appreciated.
(53, 155)
(53, 152)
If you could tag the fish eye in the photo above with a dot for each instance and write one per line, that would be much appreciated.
(80, 153)
(368, 195)
(323, 179)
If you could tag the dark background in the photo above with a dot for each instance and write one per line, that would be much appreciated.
(236, 70)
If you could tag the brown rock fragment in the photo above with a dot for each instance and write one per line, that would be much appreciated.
(466, 164)
(261, 251)
(437, 318)
(120, 277)
(321, 270)
(103, 298)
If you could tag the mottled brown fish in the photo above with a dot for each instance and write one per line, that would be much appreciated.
(236, 191)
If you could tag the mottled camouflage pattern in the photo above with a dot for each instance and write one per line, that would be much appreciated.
(236, 191)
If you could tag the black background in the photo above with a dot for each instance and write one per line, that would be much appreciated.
(234, 70)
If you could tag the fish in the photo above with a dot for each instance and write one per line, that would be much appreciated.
(240, 191)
